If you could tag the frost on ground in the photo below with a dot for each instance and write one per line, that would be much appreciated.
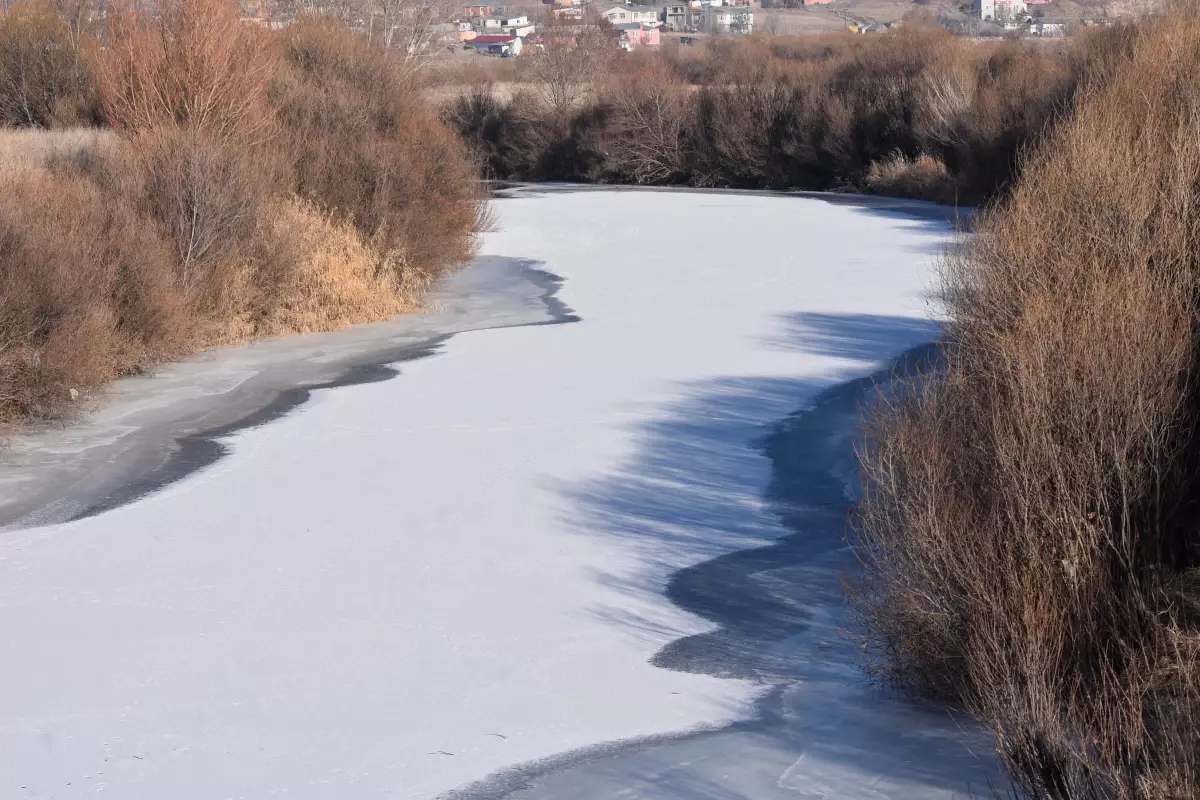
(404, 587)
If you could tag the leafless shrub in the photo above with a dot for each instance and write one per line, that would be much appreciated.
(367, 147)
(409, 28)
(245, 195)
(805, 112)
(1028, 528)
(45, 77)
(206, 199)
(651, 114)
(84, 297)
(509, 137)
(195, 64)
(565, 74)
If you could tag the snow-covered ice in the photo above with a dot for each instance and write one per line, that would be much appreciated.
(402, 587)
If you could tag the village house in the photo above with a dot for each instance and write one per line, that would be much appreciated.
(502, 45)
(479, 12)
(633, 35)
(1040, 27)
(505, 22)
(682, 18)
(738, 21)
(1000, 10)
(622, 15)
(511, 26)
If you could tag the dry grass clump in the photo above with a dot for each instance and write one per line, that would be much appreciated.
(31, 148)
(1029, 524)
(253, 184)
(338, 278)
(923, 178)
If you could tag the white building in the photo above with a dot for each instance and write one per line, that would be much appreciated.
(1039, 27)
(512, 26)
(681, 18)
(506, 22)
(728, 20)
(1000, 10)
(623, 15)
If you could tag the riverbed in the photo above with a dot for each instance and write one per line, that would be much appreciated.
(575, 532)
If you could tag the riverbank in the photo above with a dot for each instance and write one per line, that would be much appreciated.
(151, 430)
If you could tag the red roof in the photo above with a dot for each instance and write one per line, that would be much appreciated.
(494, 39)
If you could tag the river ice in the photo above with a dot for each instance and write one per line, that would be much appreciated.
(598, 558)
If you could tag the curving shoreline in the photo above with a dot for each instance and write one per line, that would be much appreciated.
(148, 432)
(402, 587)
(778, 621)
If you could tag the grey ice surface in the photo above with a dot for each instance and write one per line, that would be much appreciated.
(822, 730)
(148, 431)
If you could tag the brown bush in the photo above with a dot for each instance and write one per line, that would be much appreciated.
(194, 64)
(367, 148)
(798, 113)
(508, 138)
(923, 178)
(45, 76)
(1028, 525)
(84, 297)
(187, 230)
(651, 112)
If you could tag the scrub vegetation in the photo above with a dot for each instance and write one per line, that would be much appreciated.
(915, 112)
(1029, 525)
(231, 182)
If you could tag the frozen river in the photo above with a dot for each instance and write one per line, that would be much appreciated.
(576, 533)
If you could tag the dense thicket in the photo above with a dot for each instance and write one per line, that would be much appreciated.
(252, 182)
(1029, 527)
(826, 112)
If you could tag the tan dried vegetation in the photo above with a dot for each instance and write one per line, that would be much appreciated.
(1029, 525)
(247, 183)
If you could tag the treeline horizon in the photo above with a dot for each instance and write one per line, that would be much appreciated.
(913, 112)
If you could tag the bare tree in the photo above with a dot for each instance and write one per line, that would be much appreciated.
(410, 27)
(573, 59)
(651, 117)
